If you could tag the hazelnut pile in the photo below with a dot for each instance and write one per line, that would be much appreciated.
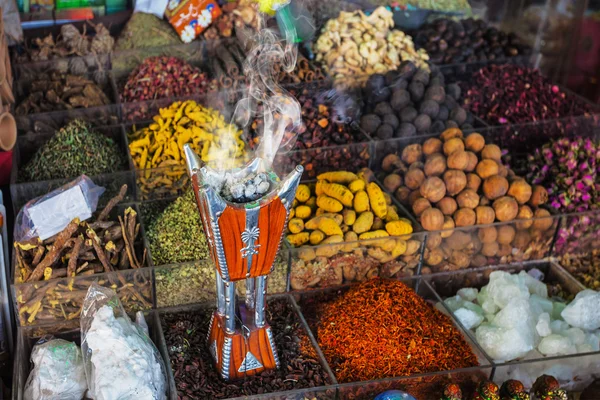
(456, 181)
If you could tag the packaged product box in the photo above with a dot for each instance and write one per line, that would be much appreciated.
(191, 17)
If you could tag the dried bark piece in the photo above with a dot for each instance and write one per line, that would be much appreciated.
(99, 251)
(111, 204)
(72, 266)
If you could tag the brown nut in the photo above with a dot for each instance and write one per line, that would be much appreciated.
(433, 189)
(435, 165)
(432, 145)
(486, 168)
(491, 152)
(542, 220)
(464, 217)
(473, 161)
(416, 165)
(392, 182)
(524, 217)
(520, 190)
(504, 250)
(412, 153)
(474, 142)
(494, 187)
(478, 261)
(447, 205)
(522, 240)
(451, 133)
(452, 145)
(458, 240)
(490, 249)
(420, 205)
(468, 198)
(539, 196)
(413, 196)
(506, 234)
(455, 181)
(489, 234)
(434, 240)
(506, 208)
(435, 257)
(402, 194)
(448, 224)
(502, 170)
(485, 215)
(473, 182)
(390, 162)
(432, 219)
(414, 178)
(460, 259)
(458, 160)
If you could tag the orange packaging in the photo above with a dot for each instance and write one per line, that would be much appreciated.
(191, 17)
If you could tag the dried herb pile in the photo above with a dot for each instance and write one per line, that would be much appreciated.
(161, 77)
(382, 328)
(502, 94)
(441, 5)
(55, 92)
(145, 31)
(74, 150)
(70, 42)
(193, 366)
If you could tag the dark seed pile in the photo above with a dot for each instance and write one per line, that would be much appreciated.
(197, 378)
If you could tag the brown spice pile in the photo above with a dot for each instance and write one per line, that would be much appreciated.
(382, 328)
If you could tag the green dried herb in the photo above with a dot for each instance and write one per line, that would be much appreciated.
(146, 30)
(74, 150)
(176, 236)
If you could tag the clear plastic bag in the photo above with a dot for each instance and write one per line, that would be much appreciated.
(121, 362)
(58, 371)
(49, 214)
(156, 7)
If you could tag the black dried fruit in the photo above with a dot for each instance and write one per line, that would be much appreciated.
(375, 82)
(437, 127)
(437, 81)
(406, 130)
(421, 76)
(407, 69)
(369, 123)
(466, 126)
(391, 77)
(443, 114)
(416, 90)
(400, 99)
(400, 84)
(379, 95)
(429, 107)
(385, 131)
(422, 123)
(451, 124)
(383, 108)
(453, 90)
(459, 115)
(408, 114)
(436, 93)
(392, 120)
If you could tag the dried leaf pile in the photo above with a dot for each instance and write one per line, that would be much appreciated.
(74, 150)
(145, 31)
(56, 92)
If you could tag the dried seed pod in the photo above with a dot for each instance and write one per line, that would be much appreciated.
(474, 142)
(468, 198)
(524, 216)
(506, 234)
(420, 205)
(435, 165)
(491, 152)
(447, 205)
(432, 145)
(506, 208)
(414, 178)
(494, 187)
(489, 234)
(412, 153)
(433, 189)
(539, 196)
(459, 159)
(473, 182)
(486, 168)
(452, 145)
(432, 219)
(455, 181)
(485, 215)
(542, 220)
(520, 190)
(464, 217)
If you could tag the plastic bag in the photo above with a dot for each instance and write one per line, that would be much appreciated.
(58, 371)
(49, 214)
(156, 7)
(121, 362)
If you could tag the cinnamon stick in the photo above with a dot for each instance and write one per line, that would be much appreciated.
(229, 63)
(237, 53)
(224, 81)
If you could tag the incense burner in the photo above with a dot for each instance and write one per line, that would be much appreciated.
(244, 238)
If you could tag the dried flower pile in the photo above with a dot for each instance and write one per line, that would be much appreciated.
(56, 92)
(382, 328)
(354, 46)
(502, 94)
(163, 77)
(71, 42)
(74, 150)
